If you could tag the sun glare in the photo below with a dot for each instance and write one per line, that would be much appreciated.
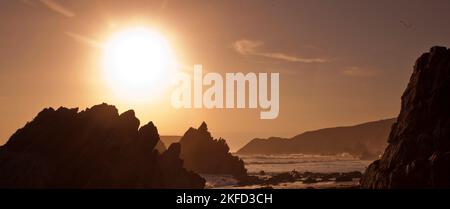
(138, 64)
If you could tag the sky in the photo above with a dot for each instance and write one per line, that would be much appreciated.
(340, 62)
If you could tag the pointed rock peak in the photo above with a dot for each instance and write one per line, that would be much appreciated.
(129, 116)
(150, 124)
(45, 112)
(101, 113)
(103, 108)
(203, 127)
(129, 113)
(129, 121)
(149, 127)
(149, 132)
(190, 132)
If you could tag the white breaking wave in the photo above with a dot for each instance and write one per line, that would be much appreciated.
(303, 163)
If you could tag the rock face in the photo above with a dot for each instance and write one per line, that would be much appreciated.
(95, 148)
(168, 140)
(203, 154)
(160, 146)
(418, 154)
(367, 140)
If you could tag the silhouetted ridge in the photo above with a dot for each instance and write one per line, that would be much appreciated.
(160, 146)
(94, 148)
(418, 154)
(365, 140)
(168, 140)
(203, 154)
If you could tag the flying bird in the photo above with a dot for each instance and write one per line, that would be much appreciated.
(405, 24)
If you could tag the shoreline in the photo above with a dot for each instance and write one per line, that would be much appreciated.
(287, 180)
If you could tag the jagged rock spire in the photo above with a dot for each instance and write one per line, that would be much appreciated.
(203, 127)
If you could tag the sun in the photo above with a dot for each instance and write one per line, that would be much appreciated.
(137, 63)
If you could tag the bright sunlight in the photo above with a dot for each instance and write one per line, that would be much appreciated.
(138, 64)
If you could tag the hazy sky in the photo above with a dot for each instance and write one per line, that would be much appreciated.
(340, 62)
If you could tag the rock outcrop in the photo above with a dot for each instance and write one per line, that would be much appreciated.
(367, 141)
(160, 146)
(168, 140)
(418, 154)
(203, 154)
(94, 148)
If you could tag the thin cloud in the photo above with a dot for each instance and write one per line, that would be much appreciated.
(57, 7)
(84, 39)
(360, 72)
(289, 58)
(250, 47)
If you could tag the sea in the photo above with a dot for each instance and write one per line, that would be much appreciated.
(269, 165)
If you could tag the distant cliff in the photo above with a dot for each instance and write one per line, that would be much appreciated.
(418, 154)
(204, 154)
(94, 148)
(365, 140)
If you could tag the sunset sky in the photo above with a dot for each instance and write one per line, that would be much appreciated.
(340, 62)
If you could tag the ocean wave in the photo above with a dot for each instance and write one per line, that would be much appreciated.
(294, 162)
(296, 156)
(303, 162)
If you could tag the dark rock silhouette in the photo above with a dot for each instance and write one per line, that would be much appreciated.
(160, 146)
(168, 140)
(418, 154)
(365, 140)
(165, 141)
(203, 154)
(95, 148)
